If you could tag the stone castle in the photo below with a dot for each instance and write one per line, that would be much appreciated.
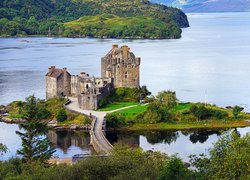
(119, 68)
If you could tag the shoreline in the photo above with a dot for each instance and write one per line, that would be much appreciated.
(145, 127)
(82, 37)
(185, 126)
(53, 126)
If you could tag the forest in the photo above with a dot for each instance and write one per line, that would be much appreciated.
(52, 18)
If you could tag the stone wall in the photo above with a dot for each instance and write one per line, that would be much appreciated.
(122, 66)
(51, 87)
(74, 85)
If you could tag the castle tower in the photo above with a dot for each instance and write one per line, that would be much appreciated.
(58, 83)
(122, 66)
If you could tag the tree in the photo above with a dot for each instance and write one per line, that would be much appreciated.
(236, 111)
(115, 120)
(61, 115)
(167, 98)
(229, 158)
(200, 111)
(3, 149)
(174, 169)
(35, 147)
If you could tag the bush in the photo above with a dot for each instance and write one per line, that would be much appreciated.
(61, 115)
(115, 120)
(43, 113)
(129, 94)
(236, 111)
(200, 111)
(220, 114)
(174, 169)
(155, 113)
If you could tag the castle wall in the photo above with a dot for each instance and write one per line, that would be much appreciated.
(74, 85)
(88, 101)
(66, 83)
(121, 65)
(51, 87)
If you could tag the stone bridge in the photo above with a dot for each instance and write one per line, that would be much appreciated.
(98, 125)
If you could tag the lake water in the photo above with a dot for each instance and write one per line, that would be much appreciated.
(68, 144)
(211, 63)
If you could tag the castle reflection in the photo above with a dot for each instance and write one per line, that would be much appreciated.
(65, 139)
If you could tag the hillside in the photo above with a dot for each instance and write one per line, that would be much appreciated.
(110, 26)
(208, 5)
(31, 17)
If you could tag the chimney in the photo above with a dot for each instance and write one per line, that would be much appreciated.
(115, 46)
(51, 68)
(64, 69)
(125, 50)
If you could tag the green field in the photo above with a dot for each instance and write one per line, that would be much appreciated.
(117, 105)
(131, 113)
(113, 26)
(185, 126)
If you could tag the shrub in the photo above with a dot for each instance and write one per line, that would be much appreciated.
(43, 113)
(200, 111)
(155, 113)
(220, 114)
(174, 169)
(61, 115)
(236, 111)
(115, 120)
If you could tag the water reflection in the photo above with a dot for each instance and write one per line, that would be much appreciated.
(182, 143)
(65, 141)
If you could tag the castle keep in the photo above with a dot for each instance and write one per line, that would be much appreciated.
(119, 68)
(121, 65)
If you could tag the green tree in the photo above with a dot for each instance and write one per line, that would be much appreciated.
(61, 115)
(35, 147)
(155, 113)
(3, 149)
(167, 98)
(200, 111)
(236, 111)
(229, 159)
(174, 169)
(115, 120)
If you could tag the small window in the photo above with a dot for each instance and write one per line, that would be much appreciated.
(126, 75)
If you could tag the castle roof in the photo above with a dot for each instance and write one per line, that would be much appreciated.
(118, 50)
(55, 72)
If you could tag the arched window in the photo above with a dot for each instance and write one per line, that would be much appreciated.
(87, 86)
(126, 75)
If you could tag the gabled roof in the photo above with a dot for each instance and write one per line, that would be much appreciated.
(55, 73)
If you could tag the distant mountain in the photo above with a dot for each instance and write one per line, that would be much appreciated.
(208, 5)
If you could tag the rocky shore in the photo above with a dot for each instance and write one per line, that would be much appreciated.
(51, 124)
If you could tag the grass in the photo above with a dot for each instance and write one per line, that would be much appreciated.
(182, 106)
(184, 126)
(15, 116)
(77, 120)
(131, 113)
(117, 105)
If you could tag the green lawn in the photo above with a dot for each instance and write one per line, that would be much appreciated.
(131, 113)
(183, 125)
(117, 105)
(182, 106)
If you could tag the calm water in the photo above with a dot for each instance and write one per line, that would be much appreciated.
(211, 62)
(68, 144)
(212, 58)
